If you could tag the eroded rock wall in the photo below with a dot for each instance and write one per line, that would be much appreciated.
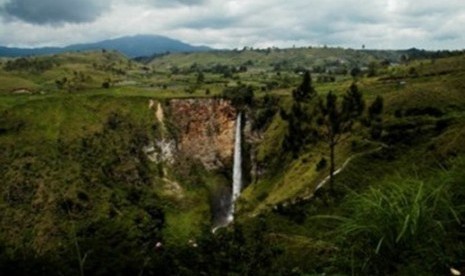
(205, 130)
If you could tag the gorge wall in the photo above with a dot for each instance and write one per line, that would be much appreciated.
(200, 131)
(205, 130)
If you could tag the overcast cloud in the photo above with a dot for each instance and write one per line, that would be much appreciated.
(55, 11)
(427, 24)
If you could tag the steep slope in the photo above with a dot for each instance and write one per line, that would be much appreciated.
(415, 107)
(107, 147)
(371, 219)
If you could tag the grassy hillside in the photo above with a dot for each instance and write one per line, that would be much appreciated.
(73, 172)
(420, 162)
(285, 59)
(432, 98)
(78, 195)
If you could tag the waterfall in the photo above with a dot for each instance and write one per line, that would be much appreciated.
(228, 201)
(237, 168)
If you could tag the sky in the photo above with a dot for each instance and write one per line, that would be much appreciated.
(377, 24)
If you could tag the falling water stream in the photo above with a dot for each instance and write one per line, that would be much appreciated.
(236, 179)
(237, 168)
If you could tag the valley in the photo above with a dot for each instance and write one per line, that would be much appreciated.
(111, 165)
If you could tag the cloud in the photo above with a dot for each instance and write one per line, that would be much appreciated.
(237, 23)
(177, 2)
(55, 11)
(162, 4)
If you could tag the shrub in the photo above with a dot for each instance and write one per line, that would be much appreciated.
(428, 111)
(239, 95)
(321, 164)
(106, 84)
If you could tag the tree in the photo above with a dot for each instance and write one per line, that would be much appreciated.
(374, 117)
(353, 104)
(297, 135)
(372, 66)
(404, 59)
(355, 72)
(376, 108)
(200, 77)
(305, 90)
(337, 119)
(239, 95)
(106, 84)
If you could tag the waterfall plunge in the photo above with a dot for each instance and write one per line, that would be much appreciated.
(237, 168)
(228, 202)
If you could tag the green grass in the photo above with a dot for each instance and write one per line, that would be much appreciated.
(184, 223)
(372, 188)
(11, 83)
(403, 224)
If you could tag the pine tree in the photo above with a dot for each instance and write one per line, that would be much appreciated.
(297, 134)
(374, 117)
(337, 119)
(376, 108)
(305, 91)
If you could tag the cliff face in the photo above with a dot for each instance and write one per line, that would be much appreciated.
(206, 130)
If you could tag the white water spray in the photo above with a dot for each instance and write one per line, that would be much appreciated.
(237, 168)
(237, 178)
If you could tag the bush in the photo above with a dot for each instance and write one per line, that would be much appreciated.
(321, 164)
(106, 84)
(33, 65)
(265, 113)
(239, 95)
(428, 111)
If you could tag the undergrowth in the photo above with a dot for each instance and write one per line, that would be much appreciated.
(404, 224)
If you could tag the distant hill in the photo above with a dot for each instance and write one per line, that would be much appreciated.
(131, 46)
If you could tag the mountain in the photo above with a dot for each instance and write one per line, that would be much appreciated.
(21, 52)
(131, 46)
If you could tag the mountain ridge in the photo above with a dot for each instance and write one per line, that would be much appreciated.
(131, 46)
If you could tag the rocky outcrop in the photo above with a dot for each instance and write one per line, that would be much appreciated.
(205, 130)
(163, 149)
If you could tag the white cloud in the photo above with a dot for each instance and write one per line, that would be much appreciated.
(260, 23)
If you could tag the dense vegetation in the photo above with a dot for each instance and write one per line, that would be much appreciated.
(80, 196)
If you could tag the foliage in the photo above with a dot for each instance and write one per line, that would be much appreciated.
(239, 96)
(33, 65)
(264, 112)
(404, 223)
(355, 72)
(335, 120)
(305, 91)
(97, 202)
(353, 104)
(374, 117)
(242, 250)
(376, 108)
(299, 132)
(200, 77)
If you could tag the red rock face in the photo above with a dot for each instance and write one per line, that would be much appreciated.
(206, 130)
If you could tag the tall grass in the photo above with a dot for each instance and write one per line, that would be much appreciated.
(405, 224)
